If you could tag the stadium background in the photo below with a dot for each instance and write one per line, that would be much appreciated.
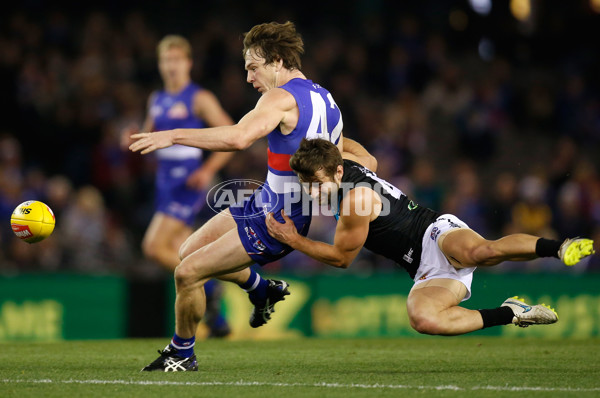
(489, 114)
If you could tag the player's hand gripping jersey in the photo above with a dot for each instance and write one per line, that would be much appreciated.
(397, 233)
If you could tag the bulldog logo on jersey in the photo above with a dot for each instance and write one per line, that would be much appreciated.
(178, 111)
(156, 111)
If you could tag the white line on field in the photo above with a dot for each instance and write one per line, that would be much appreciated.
(243, 383)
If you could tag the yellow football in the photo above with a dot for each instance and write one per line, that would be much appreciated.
(32, 221)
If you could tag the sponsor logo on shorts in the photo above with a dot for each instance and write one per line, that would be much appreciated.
(451, 223)
(435, 232)
(256, 242)
(424, 277)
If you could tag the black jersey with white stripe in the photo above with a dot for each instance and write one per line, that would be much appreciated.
(397, 233)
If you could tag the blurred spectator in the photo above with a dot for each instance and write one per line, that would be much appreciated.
(447, 94)
(465, 198)
(502, 201)
(11, 178)
(571, 105)
(59, 193)
(481, 122)
(427, 190)
(531, 214)
(570, 217)
(83, 228)
(594, 262)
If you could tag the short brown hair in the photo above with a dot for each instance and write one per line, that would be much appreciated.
(175, 41)
(314, 155)
(274, 41)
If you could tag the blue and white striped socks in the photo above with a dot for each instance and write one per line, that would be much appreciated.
(256, 287)
(184, 347)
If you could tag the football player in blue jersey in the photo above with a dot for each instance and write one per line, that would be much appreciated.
(290, 108)
(182, 175)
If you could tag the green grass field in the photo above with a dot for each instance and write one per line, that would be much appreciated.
(423, 367)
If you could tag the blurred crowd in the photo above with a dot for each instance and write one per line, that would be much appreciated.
(494, 120)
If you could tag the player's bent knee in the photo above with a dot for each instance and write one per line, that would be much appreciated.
(185, 276)
(426, 323)
(426, 320)
(190, 276)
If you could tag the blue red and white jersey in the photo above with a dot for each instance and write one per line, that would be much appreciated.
(319, 117)
(175, 111)
(176, 163)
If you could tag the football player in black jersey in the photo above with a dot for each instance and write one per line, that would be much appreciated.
(439, 251)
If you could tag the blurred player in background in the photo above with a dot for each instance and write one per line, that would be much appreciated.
(439, 251)
(182, 177)
(291, 108)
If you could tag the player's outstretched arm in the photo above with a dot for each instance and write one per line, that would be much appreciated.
(271, 109)
(356, 152)
(350, 234)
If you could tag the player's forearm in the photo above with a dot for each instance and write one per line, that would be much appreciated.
(219, 139)
(359, 153)
(320, 251)
(354, 147)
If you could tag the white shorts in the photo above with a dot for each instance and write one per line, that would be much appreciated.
(434, 265)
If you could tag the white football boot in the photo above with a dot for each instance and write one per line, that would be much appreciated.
(526, 314)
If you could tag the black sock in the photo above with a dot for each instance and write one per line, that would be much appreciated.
(496, 316)
(547, 247)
